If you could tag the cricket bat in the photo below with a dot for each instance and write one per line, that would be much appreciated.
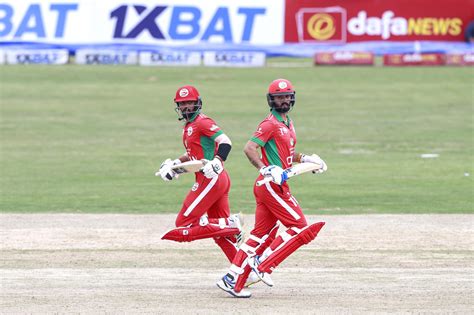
(295, 170)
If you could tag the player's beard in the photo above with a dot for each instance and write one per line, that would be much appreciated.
(283, 108)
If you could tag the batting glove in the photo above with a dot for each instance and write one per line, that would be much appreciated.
(278, 175)
(213, 168)
(316, 160)
(166, 172)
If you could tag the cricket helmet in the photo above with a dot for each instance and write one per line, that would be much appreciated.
(281, 87)
(185, 94)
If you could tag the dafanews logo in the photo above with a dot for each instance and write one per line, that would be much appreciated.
(332, 25)
(389, 25)
(321, 24)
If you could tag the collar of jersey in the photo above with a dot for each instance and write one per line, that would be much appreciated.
(280, 119)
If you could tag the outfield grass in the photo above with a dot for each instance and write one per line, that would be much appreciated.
(89, 138)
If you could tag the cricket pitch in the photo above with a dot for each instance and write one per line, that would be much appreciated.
(94, 263)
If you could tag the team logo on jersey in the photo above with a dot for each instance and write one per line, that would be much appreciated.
(214, 127)
(190, 131)
(259, 130)
(282, 85)
(292, 142)
(183, 92)
(195, 187)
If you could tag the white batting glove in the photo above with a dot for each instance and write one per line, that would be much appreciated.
(278, 175)
(213, 168)
(166, 172)
(316, 160)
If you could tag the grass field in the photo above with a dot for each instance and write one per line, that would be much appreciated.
(89, 138)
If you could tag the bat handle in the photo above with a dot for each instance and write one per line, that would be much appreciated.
(264, 181)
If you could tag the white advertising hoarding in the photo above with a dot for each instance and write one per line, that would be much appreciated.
(105, 57)
(37, 56)
(234, 59)
(170, 58)
(164, 22)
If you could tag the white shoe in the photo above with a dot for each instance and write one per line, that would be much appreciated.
(227, 284)
(237, 221)
(252, 279)
(265, 277)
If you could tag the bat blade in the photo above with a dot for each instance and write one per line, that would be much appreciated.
(302, 168)
(188, 167)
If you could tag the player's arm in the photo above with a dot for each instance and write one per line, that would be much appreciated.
(314, 158)
(277, 174)
(214, 167)
(251, 151)
(224, 146)
(183, 158)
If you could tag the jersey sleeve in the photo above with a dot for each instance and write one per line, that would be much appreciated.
(263, 133)
(209, 128)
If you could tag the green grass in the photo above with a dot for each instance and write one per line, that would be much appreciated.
(89, 138)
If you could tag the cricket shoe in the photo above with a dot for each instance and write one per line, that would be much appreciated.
(227, 283)
(254, 262)
(237, 221)
(252, 279)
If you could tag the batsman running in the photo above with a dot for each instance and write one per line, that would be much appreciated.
(205, 212)
(263, 250)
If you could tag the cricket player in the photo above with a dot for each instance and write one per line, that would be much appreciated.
(205, 212)
(263, 251)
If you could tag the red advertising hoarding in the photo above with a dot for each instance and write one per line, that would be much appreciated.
(344, 58)
(460, 59)
(414, 60)
(332, 21)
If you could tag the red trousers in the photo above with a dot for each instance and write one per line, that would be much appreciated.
(211, 197)
(275, 202)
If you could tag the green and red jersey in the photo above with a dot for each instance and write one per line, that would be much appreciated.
(277, 139)
(198, 137)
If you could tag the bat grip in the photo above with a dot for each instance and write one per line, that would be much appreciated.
(264, 181)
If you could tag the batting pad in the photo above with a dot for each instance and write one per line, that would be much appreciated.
(306, 235)
(189, 234)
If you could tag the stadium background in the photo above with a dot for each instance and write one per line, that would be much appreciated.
(80, 144)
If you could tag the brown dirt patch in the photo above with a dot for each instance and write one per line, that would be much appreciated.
(90, 263)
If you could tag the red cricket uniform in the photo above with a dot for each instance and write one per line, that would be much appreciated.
(277, 139)
(207, 195)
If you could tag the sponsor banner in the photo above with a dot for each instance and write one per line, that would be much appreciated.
(234, 59)
(341, 21)
(106, 57)
(460, 59)
(2, 57)
(170, 58)
(344, 58)
(37, 56)
(164, 22)
(414, 60)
